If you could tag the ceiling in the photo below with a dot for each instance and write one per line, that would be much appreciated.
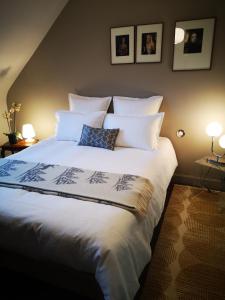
(23, 25)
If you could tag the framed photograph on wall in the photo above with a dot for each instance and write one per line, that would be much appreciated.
(122, 45)
(193, 44)
(149, 43)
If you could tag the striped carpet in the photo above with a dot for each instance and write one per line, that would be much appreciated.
(189, 258)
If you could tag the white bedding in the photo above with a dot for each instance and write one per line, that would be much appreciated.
(108, 241)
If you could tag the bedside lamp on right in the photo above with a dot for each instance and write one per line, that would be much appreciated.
(213, 130)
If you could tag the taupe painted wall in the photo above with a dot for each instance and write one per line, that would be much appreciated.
(75, 55)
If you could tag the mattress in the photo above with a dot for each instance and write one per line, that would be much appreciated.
(110, 242)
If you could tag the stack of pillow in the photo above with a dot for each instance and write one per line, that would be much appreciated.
(135, 123)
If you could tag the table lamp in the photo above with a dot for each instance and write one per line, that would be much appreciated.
(28, 133)
(213, 130)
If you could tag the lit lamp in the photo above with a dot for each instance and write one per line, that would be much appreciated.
(28, 133)
(213, 130)
(222, 141)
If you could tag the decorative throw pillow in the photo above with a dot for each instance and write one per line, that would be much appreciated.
(98, 137)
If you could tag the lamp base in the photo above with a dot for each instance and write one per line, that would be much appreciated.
(216, 162)
(30, 140)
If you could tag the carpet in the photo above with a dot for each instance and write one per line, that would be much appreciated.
(189, 257)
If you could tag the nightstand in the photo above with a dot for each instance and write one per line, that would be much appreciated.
(21, 145)
(210, 166)
(204, 162)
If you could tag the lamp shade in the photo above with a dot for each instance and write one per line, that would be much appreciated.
(179, 35)
(214, 129)
(28, 132)
(222, 141)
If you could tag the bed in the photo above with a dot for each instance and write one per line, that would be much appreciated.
(109, 242)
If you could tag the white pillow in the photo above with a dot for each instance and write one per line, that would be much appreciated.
(136, 106)
(136, 131)
(84, 105)
(70, 124)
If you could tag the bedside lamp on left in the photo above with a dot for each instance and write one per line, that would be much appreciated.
(28, 133)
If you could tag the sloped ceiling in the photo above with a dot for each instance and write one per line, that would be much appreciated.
(23, 25)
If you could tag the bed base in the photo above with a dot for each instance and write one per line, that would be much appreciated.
(14, 266)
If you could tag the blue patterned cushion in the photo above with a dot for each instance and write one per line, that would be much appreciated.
(98, 137)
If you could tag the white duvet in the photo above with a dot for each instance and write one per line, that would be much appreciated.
(108, 241)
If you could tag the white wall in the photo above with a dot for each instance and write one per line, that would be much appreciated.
(23, 25)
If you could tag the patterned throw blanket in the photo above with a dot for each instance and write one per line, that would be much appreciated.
(126, 191)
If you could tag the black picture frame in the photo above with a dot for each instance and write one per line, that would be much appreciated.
(149, 38)
(122, 45)
(194, 49)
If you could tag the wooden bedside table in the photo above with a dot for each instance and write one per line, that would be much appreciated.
(204, 162)
(21, 145)
(210, 166)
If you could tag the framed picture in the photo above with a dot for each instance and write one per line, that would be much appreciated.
(149, 43)
(193, 44)
(122, 45)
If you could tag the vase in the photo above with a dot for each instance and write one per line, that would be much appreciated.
(12, 138)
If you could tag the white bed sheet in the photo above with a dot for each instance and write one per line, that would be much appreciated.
(108, 241)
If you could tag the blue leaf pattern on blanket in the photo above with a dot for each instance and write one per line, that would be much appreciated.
(68, 176)
(10, 166)
(34, 173)
(121, 190)
(125, 183)
(98, 177)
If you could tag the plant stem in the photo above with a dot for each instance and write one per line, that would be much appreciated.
(8, 124)
(8, 121)
(14, 121)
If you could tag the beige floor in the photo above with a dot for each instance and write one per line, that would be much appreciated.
(189, 260)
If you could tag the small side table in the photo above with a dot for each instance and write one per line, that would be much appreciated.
(205, 163)
(21, 145)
